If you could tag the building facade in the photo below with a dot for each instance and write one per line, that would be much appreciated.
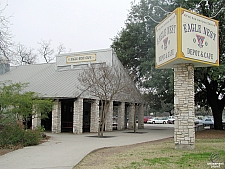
(74, 110)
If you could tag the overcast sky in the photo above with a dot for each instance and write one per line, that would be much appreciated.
(80, 25)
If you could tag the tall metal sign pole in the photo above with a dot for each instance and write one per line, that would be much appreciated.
(185, 40)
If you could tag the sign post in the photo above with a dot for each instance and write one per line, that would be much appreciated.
(185, 40)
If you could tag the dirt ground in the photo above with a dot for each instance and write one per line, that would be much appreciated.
(205, 134)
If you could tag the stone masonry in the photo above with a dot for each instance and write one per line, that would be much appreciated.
(131, 109)
(121, 116)
(56, 117)
(141, 117)
(36, 121)
(109, 118)
(184, 133)
(94, 116)
(78, 116)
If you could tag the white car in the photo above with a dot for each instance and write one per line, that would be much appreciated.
(207, 121)
(158, 120)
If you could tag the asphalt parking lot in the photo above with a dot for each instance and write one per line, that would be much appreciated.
(159, 125)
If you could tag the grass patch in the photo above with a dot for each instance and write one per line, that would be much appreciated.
(158, 155)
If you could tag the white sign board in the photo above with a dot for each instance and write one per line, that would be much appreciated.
(81, 58)
(199, 38)
(186, 37)
(166, 40)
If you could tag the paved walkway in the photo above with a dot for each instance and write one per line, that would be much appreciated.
(65, 150)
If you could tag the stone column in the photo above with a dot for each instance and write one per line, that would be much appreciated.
(121, 116)
(78, 116)
(184, 133)
(94, 116)
(141, 117)
(109, 118)
(56, 117)
(36, 120)
(131, 109)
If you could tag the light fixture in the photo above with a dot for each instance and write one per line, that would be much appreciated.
(206, 3)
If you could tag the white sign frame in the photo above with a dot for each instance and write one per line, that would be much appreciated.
(195, 40)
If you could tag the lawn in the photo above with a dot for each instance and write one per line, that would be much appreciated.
(209, 148)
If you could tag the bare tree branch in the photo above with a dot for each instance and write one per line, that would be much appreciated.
(5, 36)
(61, 48)
(46, 51)
(107, 84)
(23, 56)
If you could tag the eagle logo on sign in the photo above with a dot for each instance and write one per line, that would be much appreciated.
(165, 41)
(200, 40)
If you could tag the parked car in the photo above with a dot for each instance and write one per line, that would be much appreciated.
(157, 120)
(146, 118)
(207, 121)
(171, 120)
(196, 120)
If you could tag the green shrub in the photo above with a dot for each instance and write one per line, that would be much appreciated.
(13, 134)
(31, 137)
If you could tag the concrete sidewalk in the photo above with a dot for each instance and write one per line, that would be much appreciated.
(65, 150)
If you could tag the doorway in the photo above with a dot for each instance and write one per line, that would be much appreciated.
(86, 116)
(67, 107)
(47, 122)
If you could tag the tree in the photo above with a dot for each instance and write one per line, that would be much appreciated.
(61, 49)
(135, 47)
(46, 51)
(5, 37)
(135, 44)
(107, 84)
(17, 105)
(23, 55)
(210, 81)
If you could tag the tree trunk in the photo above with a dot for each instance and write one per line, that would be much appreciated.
(217, 114)
(102, 129)
(105, 110)
(135, 120)
(218, 125)
(217, 107)
(100, 133)
(135, 113)
(102, 124)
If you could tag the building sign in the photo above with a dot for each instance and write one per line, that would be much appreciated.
(199, 38)
(166, 40)
(187, 37)
(81, 58)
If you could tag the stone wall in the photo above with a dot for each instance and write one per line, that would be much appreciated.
(109, 118)
(184, 133)
(36, 120)
(121, 116)
(131, 109)
(141, 117)
(94, 116)
(78, 116)
(56, 117)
